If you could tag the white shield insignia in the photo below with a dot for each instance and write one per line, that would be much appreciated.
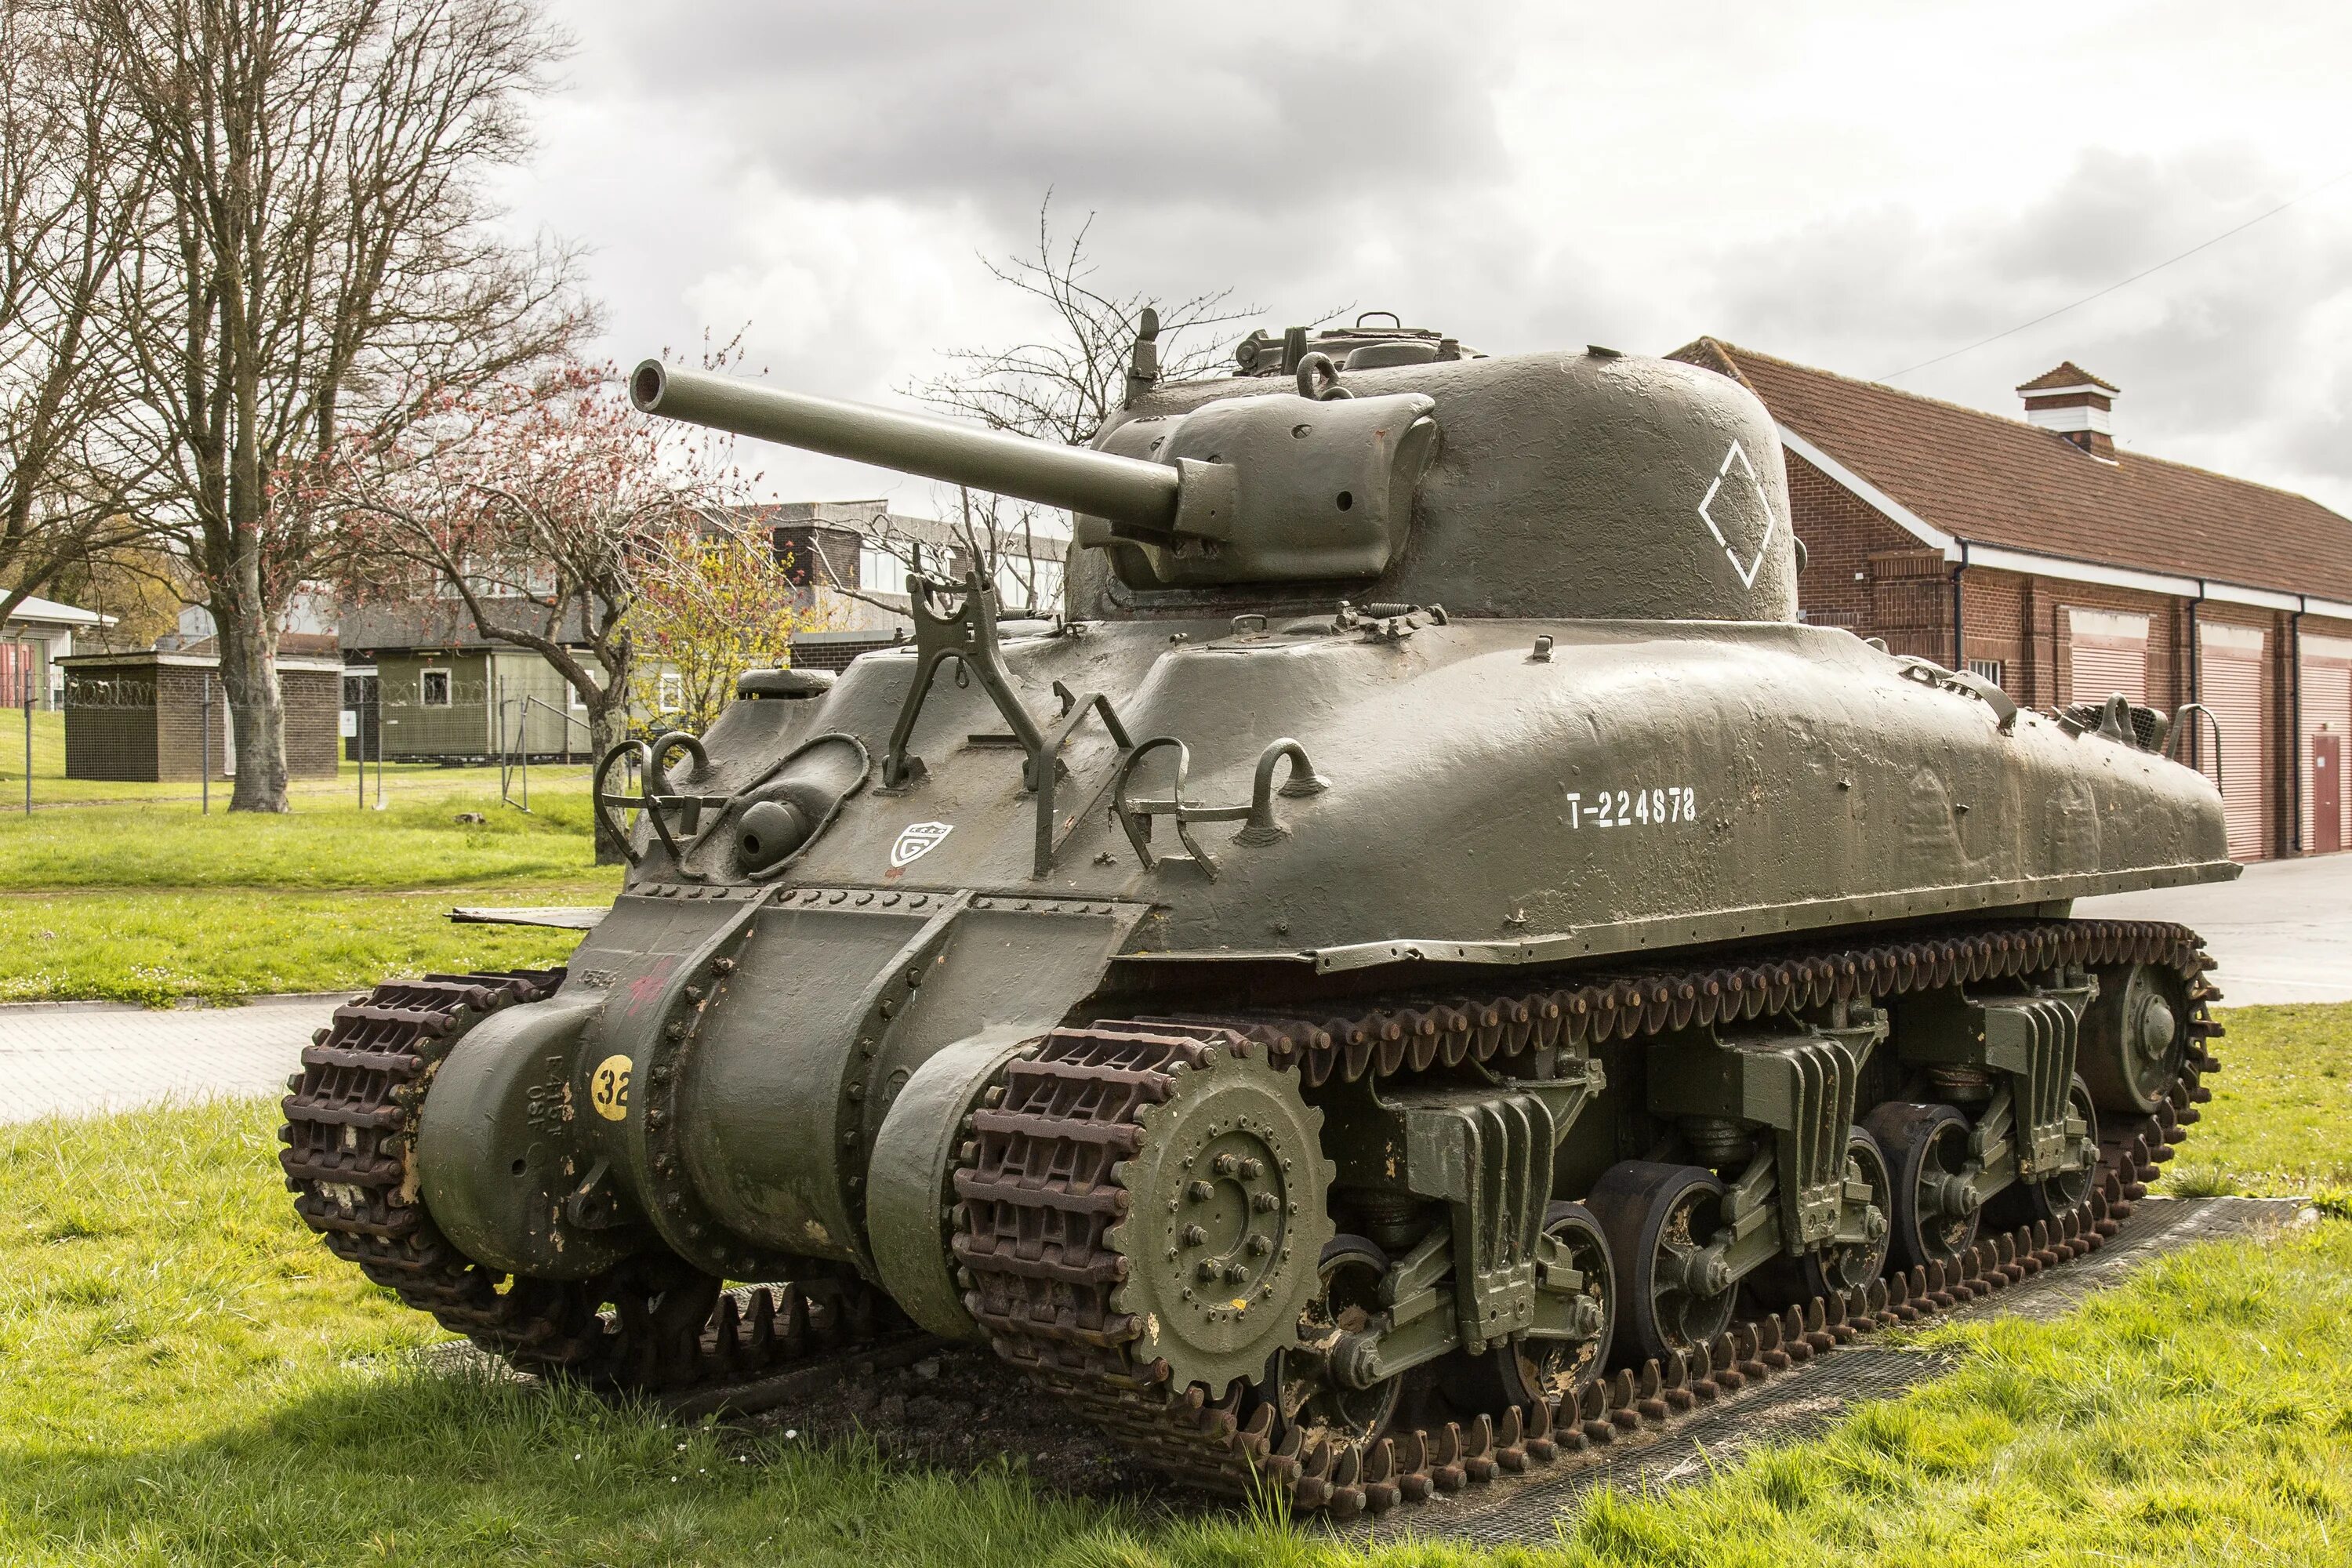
(917, 841)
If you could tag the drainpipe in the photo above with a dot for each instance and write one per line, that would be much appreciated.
(1960, 651)
(2295, 745)
(2196, 686)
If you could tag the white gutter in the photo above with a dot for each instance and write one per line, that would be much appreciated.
(1885, 505)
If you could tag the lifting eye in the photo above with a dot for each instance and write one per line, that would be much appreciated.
(1347, 500)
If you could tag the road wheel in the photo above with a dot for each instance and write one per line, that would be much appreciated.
(1672, 1292)
(1348, 1295)
(1934, 1214)
(1532, 1371)
(2062, 1194)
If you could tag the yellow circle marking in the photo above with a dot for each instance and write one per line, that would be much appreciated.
(608, 1087)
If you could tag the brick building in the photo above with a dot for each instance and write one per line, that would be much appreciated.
(164, 716)
(2035, 552)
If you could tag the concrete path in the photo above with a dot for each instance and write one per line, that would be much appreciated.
(2282, 932)
(76, 1059)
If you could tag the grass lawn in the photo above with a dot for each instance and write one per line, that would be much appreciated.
(156, 901)
(2281, 1121)
(52, 788)
(187, 1377)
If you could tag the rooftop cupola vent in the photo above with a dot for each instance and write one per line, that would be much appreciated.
(2073, 404)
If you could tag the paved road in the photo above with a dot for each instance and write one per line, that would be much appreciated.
(2282, 933)
(78, 1058)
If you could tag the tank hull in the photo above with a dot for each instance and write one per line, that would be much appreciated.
(1646, 788)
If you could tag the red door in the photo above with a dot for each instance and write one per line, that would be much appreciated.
(2327, 793)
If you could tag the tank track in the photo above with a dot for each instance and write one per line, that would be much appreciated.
(350, 1122)
(1042, 1191)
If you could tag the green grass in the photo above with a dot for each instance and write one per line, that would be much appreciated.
(418, 843)
(151, 903)
(2282, 1109)
(52, 788)
(220, 944)
(187, 1377)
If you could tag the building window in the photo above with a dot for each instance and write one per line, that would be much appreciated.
(670, 695)
(880, 571)
(1988, 667)
(1026, 582)
(433, 689)
(573, 700)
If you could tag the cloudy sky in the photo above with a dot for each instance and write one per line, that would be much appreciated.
(1857, 186)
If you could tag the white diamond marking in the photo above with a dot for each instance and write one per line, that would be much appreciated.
(1771, 518)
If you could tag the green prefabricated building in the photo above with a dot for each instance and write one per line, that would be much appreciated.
(471, 704)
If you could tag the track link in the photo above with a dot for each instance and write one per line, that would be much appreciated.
(1041, 1189)
(350, 1124)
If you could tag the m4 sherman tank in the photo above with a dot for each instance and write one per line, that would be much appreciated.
(1426, 962)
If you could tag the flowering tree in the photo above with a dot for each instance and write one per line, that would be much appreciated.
(715, 602)
(543, 508)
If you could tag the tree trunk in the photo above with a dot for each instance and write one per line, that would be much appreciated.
(608, 726)
(248, 670)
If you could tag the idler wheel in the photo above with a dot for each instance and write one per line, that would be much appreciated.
(1673, 1292)
(1226, 1222)
(1347, 1301)
(1534, 1371)
(1936, 1210)
(2135, 1037)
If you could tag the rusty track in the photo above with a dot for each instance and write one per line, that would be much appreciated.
(1042, 1191)
(350, 1122)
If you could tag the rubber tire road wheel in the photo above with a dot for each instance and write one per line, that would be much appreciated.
(1832, 1270)
(1649, 1212)
(2060, 1195)
(1348, 1274)
(1924, 1143)
(1529, 1371)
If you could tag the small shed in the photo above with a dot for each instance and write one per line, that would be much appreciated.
(149, 716)
(460, 703)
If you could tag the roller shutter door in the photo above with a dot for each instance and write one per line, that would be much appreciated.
(2231, 687)
(2107, 653)
(2327, 710)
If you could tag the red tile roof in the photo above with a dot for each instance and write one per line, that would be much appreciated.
(1990, 481)
(2067, 375)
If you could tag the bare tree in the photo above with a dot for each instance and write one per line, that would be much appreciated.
(1066, 384)
(319, 266)
(68, 212)
(539, 507)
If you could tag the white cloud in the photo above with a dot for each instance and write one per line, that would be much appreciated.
(1860, 187)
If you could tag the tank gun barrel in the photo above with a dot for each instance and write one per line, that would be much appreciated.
(1128, 490)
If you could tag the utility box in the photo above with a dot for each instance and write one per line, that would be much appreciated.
(142, 717)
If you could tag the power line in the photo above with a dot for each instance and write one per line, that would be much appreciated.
(2135, 278)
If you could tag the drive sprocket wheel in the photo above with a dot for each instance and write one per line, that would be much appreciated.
(1227, 1221)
